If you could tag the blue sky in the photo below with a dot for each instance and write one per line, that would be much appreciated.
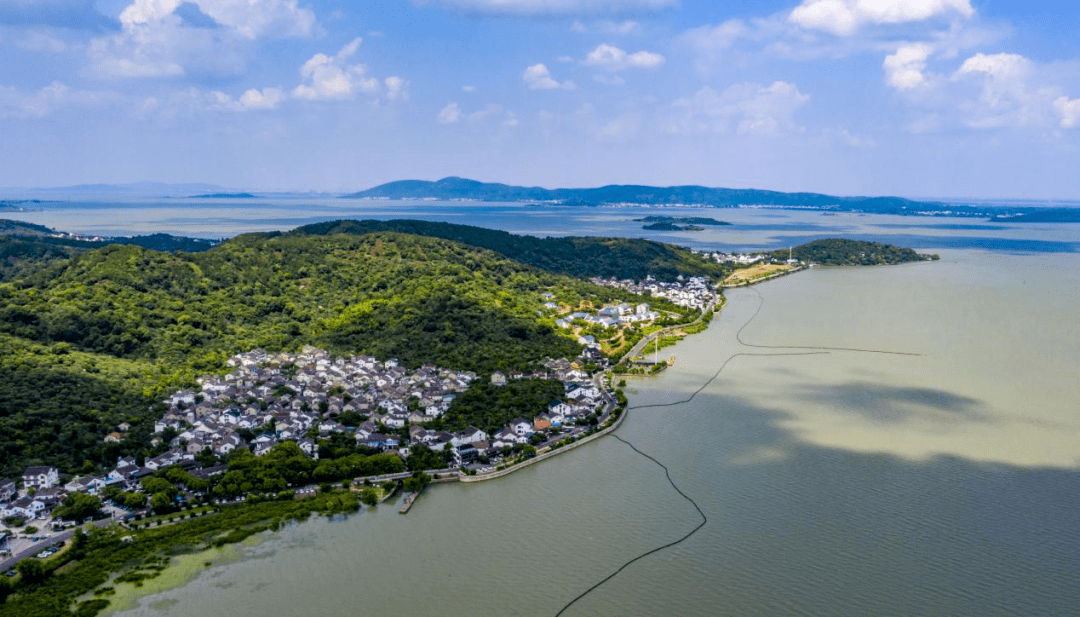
(945, 98)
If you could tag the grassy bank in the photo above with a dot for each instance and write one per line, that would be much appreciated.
(52, 587)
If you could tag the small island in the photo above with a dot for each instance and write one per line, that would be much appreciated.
(671, 223)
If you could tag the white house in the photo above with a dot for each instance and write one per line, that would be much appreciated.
(521, 427)
(41, 477)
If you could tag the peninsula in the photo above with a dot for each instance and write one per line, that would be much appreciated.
(196, 398)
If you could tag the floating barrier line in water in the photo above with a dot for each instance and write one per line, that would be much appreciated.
(816, 351)
(704, 519)
(667, 472)
(761, 303)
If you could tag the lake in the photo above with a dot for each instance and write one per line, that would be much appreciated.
(869, 441)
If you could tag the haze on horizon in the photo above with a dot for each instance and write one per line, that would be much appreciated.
(916, 98)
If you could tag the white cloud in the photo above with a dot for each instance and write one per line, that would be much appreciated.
(19, 103)
(397, 89)
(614, 59)
(557, 7)
(1007, 97)
(538, 77)
(845, 17)
(155, 41)
(267, 98)
(332, 77)
(251, 100)
(745, 108)
(904, 69)
(451, 114)
(250, 18)
(468, 88)
(1069, 111)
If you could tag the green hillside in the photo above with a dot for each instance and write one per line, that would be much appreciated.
(838, 252)
(624, 258)
(57, 405)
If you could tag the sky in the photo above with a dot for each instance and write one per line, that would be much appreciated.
(920, 98)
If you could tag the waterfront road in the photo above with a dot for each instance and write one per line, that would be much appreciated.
(36, 548)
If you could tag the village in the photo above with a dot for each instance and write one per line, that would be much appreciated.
(311, 396)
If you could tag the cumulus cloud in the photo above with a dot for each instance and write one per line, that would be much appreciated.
(845, 17)
(557, 7)
(333, 77)
(251, 100)
(904, 69)
(746, 108)
(1069, 110)
(612, 58)
(162, 38)
(1007, 95)
(538, 77)
(249, 18)
(451, 114)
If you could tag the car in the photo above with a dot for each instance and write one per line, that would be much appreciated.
(10, 572)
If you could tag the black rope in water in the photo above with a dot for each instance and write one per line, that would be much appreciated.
(815, 351)
(761, 303)
(704, 519)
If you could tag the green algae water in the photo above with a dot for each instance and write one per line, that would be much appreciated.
(940, 482)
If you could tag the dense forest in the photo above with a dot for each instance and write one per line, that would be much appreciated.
(489, 407)
(623, 258)
(95, 339)
(57, 405)
(835, 252)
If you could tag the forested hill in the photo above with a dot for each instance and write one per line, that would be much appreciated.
(25, 244)
(835, 252)
(575, 256)
(95, 339)
(462, 188)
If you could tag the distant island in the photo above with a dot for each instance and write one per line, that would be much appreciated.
(454, 188)
(690, 220)
(224, 196)
(622, 195)
(20, 205)
(670, 223)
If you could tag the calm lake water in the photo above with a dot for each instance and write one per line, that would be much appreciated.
(836, 482)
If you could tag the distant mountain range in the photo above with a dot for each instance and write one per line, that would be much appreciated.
(462, 188)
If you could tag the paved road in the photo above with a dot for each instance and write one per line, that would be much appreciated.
(63, 536)
(648, 339)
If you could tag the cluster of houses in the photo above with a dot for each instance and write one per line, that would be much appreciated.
(285, 396)
(279, 397)
(42, 488)
(694, 292)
